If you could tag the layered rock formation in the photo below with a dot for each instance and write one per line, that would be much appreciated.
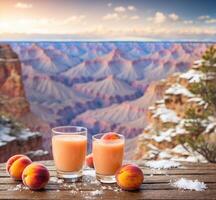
(109, 90)
(88, 66)
(128, 118)
(12, 95)
(167, 119)
(14, 104)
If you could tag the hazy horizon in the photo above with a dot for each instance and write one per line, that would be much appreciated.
(135, 20)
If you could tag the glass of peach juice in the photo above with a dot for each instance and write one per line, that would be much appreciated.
(69, 148)
(108, 154)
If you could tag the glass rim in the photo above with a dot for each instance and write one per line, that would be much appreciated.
(122, 137)
(56, 131)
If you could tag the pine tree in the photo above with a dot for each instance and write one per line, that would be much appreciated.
(195, 123)
(206, 88)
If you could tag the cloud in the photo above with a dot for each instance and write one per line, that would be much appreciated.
(173, 16)
(41, 21)
(104, 31)
(188, 22)
(204, 17)
(210, 21)
(117, 17)
(131, 8)
(22, 5)
(159, 33)
(109, 4)
(74, 19)
(111, 16)
(158, 18)
(120, 9)
(135, 17)
(207, 19)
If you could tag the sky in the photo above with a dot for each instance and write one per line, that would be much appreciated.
(108, 20)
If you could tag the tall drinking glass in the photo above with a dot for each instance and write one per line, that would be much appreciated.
(108, 157)
(69, 147)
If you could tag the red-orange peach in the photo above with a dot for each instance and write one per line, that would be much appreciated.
(16, 164)
(110, 136)
(35, 176)
(89, 160)
(129, 177)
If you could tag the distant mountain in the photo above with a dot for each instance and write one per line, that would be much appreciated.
(46, 60)
(43, 87)
(52, 100)
(110, 90)
(107, 119)
(128, 117)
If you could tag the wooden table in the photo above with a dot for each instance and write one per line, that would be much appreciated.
(156, 185)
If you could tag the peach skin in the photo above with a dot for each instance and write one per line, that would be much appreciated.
(129, 177)
(89, 160)
(110, 136)
(16, 164)
(35, 176)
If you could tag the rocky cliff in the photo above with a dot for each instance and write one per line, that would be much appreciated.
(12, 94)
(15, 110)
(13, 101)
(167, 120)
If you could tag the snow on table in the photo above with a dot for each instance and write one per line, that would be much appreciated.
(162, 164)
(186, 184)
(156, 185)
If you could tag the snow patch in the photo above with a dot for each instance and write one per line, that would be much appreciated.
(166, 115)
(187, 184)
(96, 193)
(178, 89)
(193, 76)
(162, 164)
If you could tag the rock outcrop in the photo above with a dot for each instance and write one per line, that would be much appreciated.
(167, 120)
(14, 139)
(14, 104)
(12, 95)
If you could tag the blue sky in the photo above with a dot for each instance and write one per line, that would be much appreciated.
(108, 19)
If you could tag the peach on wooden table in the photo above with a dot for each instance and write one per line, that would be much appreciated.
(110, 136)
(35, 176)
(129, 177)
(89, 160)
(16, 164)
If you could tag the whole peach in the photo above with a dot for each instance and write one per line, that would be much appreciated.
(89, 160)
(16, 164)
(129, 177)
(35, 176)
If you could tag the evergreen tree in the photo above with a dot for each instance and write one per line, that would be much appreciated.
(195, 123)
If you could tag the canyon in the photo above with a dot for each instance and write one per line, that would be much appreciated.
(104, 86)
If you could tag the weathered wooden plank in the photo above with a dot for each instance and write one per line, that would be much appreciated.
(149, 179)
(151, 172)
(156, 185)
(140, 163)
(168, 178)
(149, 194)
(92, 187)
